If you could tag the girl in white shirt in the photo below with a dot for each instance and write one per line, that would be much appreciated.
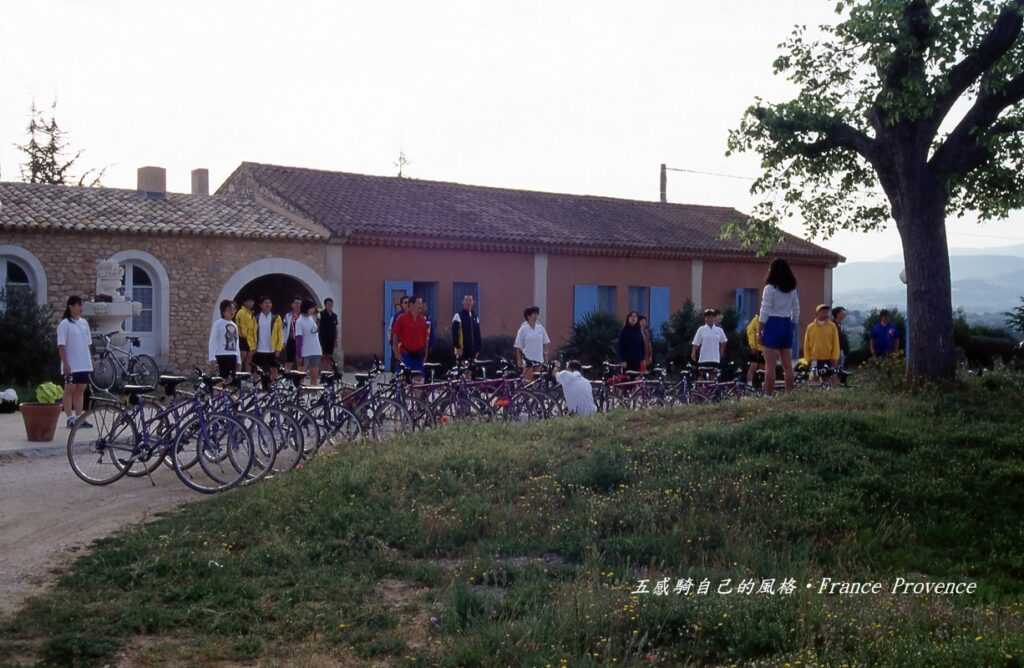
(73, 341)
(779, 317)
(307, 341)
(224, 348)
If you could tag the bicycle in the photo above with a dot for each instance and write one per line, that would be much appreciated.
(112, 364)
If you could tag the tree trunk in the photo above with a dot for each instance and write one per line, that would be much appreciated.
(922, 226)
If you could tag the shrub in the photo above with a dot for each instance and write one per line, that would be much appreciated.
(1015, 318)
(593, 339)
(678, 332)
(28, 339)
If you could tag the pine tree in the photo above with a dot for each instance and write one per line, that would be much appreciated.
(46, 150)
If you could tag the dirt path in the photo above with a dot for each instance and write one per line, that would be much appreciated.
(48, 515)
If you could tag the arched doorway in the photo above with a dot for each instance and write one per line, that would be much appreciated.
(294, 274)
(281, 289)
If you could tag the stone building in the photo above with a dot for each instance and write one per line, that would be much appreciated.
(367, 240)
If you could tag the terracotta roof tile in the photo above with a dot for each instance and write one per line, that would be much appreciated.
(33, 206)
(358, 205)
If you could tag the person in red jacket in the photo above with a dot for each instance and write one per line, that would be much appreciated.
(411, 333)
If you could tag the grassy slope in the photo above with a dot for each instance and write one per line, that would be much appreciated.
(352, 557)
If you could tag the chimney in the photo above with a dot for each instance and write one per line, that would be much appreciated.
(664, 184)
(200, 182)
(153, 181)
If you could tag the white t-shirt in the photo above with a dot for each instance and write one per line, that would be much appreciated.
(310, 333)
(76, 337)
(265, 333)
(710, 339)
(531, 341)
(579, 395)
(224, 339)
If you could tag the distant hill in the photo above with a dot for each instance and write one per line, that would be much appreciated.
(981, 283)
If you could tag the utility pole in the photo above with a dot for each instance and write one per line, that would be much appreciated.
(664, 184)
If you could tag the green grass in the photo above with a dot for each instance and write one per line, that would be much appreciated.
(524, 545)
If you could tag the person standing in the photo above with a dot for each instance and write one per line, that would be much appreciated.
(411, 335)
(631, 346)
(709, 342)
(756, 361)
(648, 345)
(579, 393)
(291, 322)
(328, 333)
(307, 341)
(73, 340)
(269, 339)
(531, 342)
(246, 331)
(466, 339)
(884, 339)
(400, 309)
(223, 347)
(778, 319)
(821, 342)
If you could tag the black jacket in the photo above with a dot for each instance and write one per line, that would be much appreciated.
(466, 333)
(631, 345)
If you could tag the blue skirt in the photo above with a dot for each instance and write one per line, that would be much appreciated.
(778, 333)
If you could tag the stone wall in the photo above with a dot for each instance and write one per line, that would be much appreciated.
(197, 268)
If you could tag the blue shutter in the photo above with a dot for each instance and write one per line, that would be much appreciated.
(584, 301)
(746, 307)
(391, 288)
(659, 310)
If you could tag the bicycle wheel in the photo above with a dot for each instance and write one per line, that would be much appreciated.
(103, 453)
(104, 373)
(221, 446)
(420, 412)
(467, 408)
(263, 443)
(312, 435)
(144, 370)
(522, 407)
(287, 438)
(157, 429)
(385, 418)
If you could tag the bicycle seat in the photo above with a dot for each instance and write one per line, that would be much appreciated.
(432, 365)
(327, 375)
(362, 377)
(295, 373)
(170, 383)
(311, 388)
(482, 362)
(135, 390)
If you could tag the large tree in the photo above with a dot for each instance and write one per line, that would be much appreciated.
(908, 110)
(47, 151)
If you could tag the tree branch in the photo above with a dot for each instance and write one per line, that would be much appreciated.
(907, 57)
(958, 154)
(994, 46)
(836, 134)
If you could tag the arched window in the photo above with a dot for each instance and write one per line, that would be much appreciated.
(16, 277)
(138, 287)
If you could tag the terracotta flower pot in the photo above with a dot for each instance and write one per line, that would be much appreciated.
(40, 420)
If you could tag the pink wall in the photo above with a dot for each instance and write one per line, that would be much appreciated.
(506, 288)
(567, 271)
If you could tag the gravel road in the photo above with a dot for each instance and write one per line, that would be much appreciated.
(48, 516)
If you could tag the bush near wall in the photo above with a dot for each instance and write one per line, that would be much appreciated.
(593, 339)
(28, 341)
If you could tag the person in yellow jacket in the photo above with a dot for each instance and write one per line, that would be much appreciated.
(756, 361)
(269, 339)
(821, 341)
(246, 322)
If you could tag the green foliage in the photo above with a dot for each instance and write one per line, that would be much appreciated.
(593, 338)
(28, 339)
(1015, 318)
(678, 333)
(884, 65)
(49, 393)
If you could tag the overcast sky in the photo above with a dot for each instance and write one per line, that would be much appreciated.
(579, 96)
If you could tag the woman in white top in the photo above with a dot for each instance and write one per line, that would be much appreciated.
(73, 341)
(224, 348)
(531, 342)
(779, 317)
(307, 341)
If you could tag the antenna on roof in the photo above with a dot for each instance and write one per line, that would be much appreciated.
(402, 162)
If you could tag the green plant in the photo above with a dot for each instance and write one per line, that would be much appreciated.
(48, 393)
(593, 338)
(28, 339)
(678, 333)
(1015, 318)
